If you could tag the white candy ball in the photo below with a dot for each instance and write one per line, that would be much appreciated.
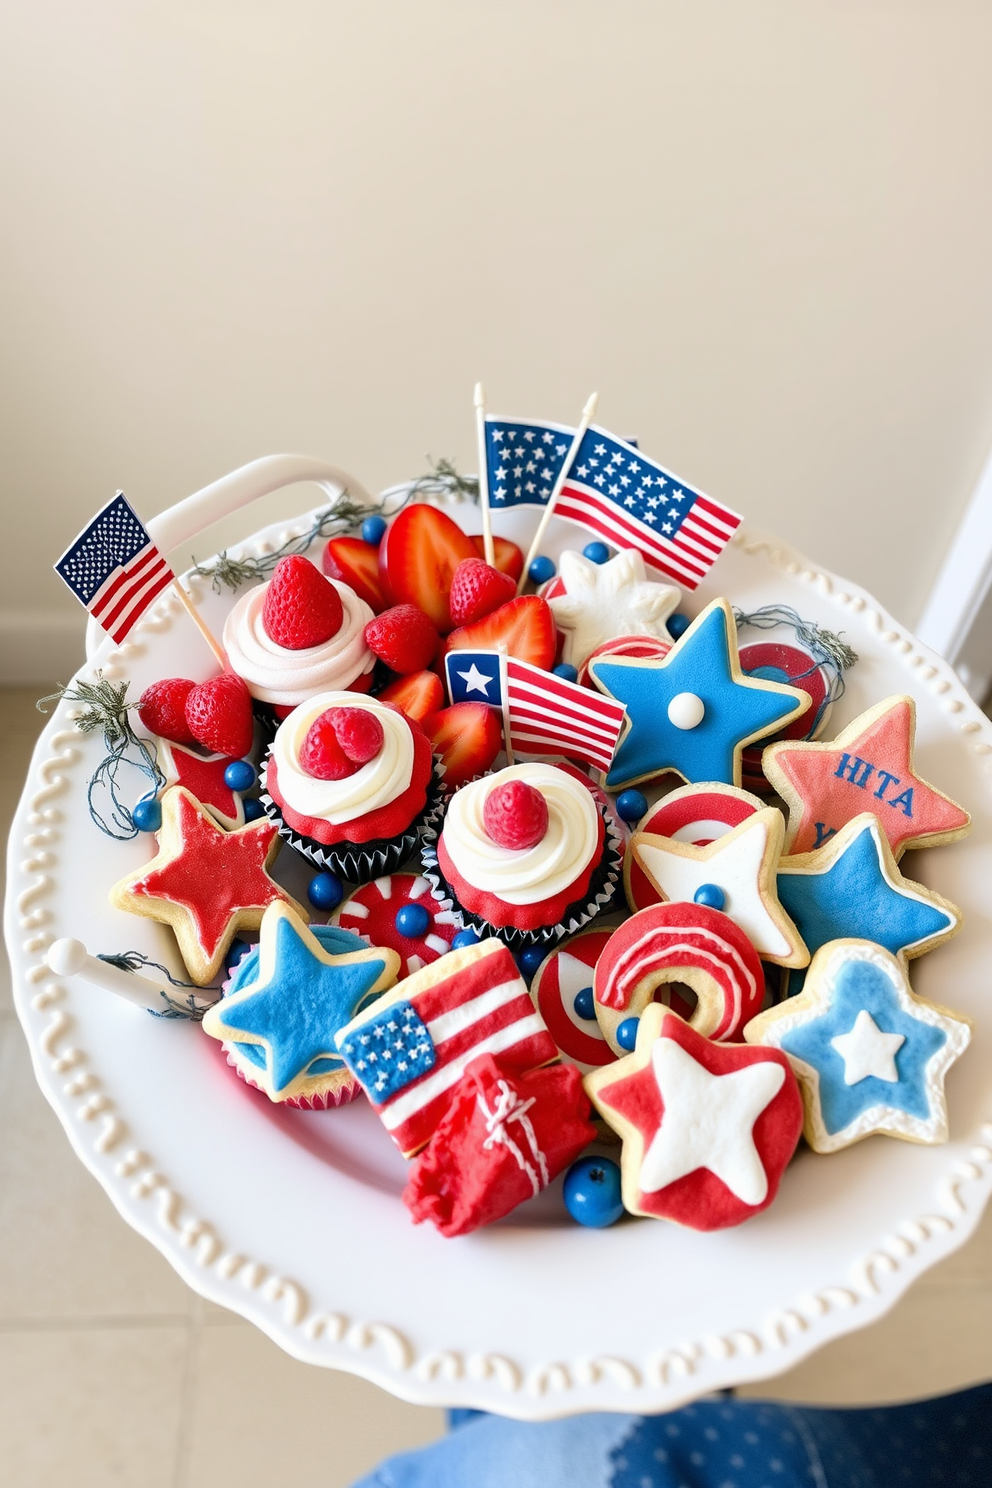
(686, 710)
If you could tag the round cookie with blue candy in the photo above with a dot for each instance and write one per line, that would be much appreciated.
(398, 911)
(563, 991)
(870, 1056)
(692, 712)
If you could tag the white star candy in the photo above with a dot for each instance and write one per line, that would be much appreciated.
(708, 1122)
(866, 1050)
(476, 681)
(603, 600)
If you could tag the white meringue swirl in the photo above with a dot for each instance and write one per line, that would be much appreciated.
(275, 674)
(376, 784)
(534, 873)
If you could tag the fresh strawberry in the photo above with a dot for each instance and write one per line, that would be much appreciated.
(419, 553)
(403, 637)
(359, 732)
(416, 695)
(218, 713)
(477, 590)
(524, 628)
(302, 609)
(468, 738)
(162, 709)
(509, 558)
(515, 815)
(339, 742)
(355, 562)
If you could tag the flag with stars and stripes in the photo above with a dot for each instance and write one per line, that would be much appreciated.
(548, 716)
(114, 568)
(614, 490)
(523, 460)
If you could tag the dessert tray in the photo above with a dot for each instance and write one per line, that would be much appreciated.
(293, 1219)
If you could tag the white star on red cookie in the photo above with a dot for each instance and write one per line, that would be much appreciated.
(603, 600)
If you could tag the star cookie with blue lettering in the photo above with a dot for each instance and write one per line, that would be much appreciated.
(851, 889)
(868, 767)
(870, 1056)
(303, 995)
(693, 711)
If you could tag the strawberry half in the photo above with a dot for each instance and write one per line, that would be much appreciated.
(355, 562)
(403, 637)
(302, 608)
(418, 555)
(468, 738)
(524, 628)
(509, 559)
(162, 709)
(416, 695)
(477, 590)
(219, 715)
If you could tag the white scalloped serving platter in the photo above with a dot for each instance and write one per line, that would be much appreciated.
(294, 1219)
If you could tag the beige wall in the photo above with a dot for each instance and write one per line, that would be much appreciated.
(761, 230)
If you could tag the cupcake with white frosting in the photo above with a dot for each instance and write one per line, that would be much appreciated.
(297, 635)
(351, 782)
(526, 853)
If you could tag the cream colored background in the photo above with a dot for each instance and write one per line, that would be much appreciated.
(762, 231)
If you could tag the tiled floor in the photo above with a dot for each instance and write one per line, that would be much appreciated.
(112, 1372)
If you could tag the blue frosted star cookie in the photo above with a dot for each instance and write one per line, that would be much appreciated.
(693, 711)
(869, 1055)
(289, 999)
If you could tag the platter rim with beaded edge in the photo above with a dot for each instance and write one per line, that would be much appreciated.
(299, 1228)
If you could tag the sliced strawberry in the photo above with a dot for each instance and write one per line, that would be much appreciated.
(524, 628)
(162, 709)
(355, 562)
(302, 608)
(468, 738)
(419, 553)
(509, 558)
(416, 695)
(403, 637)
(477, 590)
(219, 715)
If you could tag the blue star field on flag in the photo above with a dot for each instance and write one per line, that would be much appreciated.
(523, 460)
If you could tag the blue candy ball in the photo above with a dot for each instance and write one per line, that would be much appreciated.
(592, 1192)
(566, 671)
(240, 775)
(627, 1033)
(238, 950)
(373, 529)
(253, 809)
(596, 552)
(541, 570)
(583, 1004)
(147, 814)
(412, 921)
(531, 957)
(465, 938)
(677, 625)
(711, 895)
(631, 805)
(325, 890)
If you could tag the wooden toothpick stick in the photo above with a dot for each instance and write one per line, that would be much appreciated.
(504, 692)
(480, 436)
(199, 622)
(588, 414)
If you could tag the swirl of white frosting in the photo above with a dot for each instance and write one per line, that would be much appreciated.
(376, 784)
(534, 873)
(275, 674)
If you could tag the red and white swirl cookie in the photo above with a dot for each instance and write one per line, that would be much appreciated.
(373, 910)
(562, 989)
(633, 645)
(697, 814)
(686, 943)
(778, 661)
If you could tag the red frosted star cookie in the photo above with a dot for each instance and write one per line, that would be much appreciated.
(206, 883)
(203, 777)
(706, 1130)
(868, 767)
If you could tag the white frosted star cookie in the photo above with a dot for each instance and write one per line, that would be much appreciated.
(603, 600)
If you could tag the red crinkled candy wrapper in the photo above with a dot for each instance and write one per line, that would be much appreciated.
(503, 1139)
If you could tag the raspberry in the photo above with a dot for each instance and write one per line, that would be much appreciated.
(162, 709)
(219, 716)
(477, 590)
(339, 742)
(302, 609)
(515, 815)
(359, 732)
(403, 637)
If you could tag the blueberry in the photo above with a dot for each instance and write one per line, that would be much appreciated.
(465, 938)
(412, 921)
(583, 1004)
(711, 895)
(677, 625)
(253, 809)
(147, 814)
(566, 671)
(631, 805)
(627, 1033)
(239, 775)
(596, 552)
(541, 570)
(592, 1192)
(373, 529)
(531, 957)
(325, 890)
